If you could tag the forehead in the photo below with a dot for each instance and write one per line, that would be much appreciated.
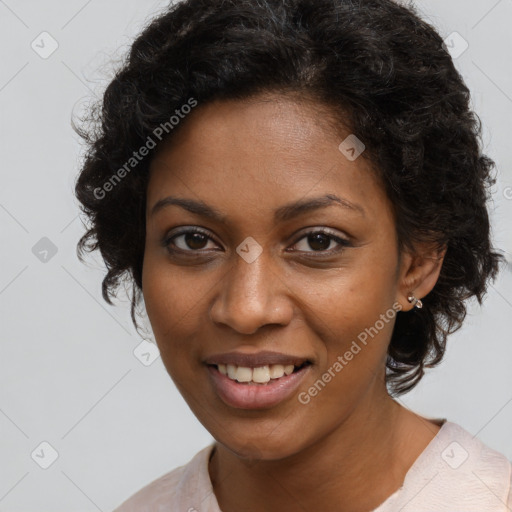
(280, 121)
(270, 147)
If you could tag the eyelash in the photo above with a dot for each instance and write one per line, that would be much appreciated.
(341, 241)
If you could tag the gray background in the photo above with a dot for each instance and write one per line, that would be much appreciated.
(69, 374)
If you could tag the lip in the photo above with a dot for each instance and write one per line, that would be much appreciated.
(257, 359)
(256, 396)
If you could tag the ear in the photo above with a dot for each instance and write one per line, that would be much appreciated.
(419, 272)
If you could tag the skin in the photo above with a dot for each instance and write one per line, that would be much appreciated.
(246, 159)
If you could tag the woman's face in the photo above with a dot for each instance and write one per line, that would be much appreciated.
(255, 281)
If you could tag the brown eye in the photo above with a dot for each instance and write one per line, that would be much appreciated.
(321, 241)
(191, 240)
(194, 240)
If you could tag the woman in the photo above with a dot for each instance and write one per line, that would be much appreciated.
(297, 192)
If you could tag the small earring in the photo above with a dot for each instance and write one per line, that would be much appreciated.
(413, 300)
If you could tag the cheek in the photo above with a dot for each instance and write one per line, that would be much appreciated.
(343, 314)
(350, 341)
(171, 301)
(170, 295)
(351, 313)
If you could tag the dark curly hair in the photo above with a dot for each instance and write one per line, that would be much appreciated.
(375, 61)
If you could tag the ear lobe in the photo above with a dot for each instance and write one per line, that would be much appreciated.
(419, 273)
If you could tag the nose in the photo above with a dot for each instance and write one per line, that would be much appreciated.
(252, 295)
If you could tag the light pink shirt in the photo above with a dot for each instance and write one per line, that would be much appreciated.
(455, 472)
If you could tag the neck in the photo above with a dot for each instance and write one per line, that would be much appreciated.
(356, 466)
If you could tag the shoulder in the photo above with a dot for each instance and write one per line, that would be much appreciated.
(509, 501)
(468, 471)
(465, 454)
(184, 488)
(457, 471)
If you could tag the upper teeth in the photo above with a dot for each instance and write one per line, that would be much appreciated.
(260, 375)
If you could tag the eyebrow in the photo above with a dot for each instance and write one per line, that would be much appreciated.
(282, 214)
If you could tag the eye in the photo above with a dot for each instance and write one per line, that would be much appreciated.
(195, 240)
(320, 241)
(188, 240)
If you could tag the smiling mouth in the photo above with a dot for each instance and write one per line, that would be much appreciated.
(262, 375)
